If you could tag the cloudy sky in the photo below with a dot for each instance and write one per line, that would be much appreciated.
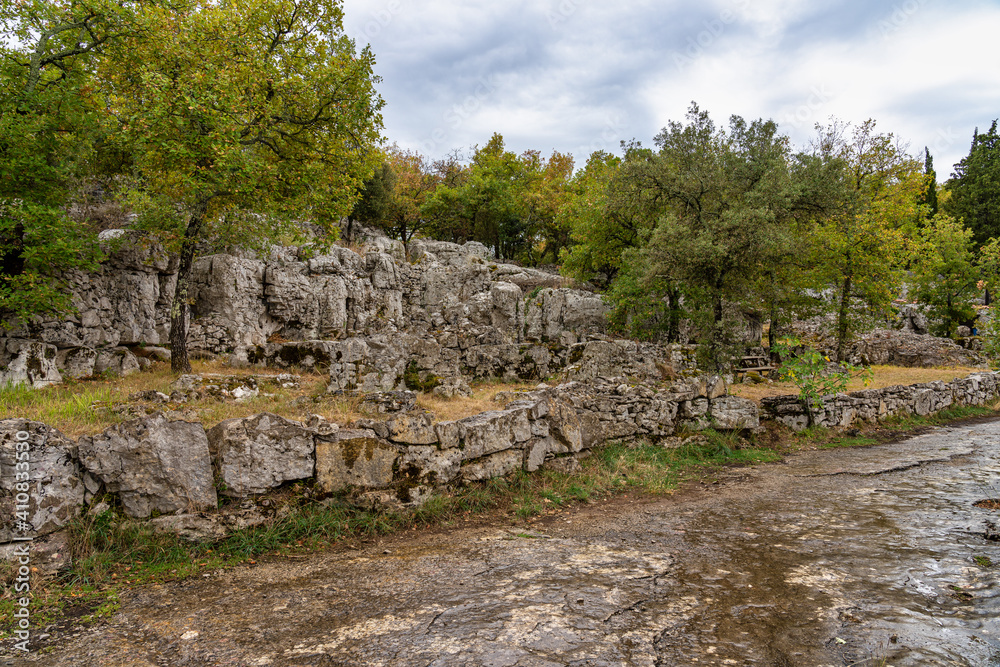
(582, 75)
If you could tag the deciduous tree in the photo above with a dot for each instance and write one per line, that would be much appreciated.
(243, 115)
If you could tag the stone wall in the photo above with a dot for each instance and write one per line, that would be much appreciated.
(161, 465)
(873, 405)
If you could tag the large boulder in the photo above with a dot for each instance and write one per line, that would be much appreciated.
(153, 464)
(53, 478)
(28, 362)
(885, 347)
(254, 454)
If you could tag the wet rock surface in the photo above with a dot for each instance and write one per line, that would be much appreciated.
(839, 557)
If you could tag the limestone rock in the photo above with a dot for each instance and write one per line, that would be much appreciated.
(77, 362)
(28, 362)
(731, 413)
(904, 348)
(388, 402)
(494, 465)
(55, 485)
(553, 311)
(117, 361)
(492, 431)
(430, 465)
(353, 458)
(412, 429)
(255, 454)
(155, 465)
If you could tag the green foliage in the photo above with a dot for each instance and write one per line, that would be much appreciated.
(990, 335)
(944, 273)
(502, 200)
(975, 186)
(48, 132)
(726, 220)
(242, 118)
(859, 241)
(929, 198)
(811, 372)
(644, 308)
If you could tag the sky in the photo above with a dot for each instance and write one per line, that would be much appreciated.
(576, 76)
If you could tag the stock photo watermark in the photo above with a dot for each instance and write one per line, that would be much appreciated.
(899, 17)
(459, 113)
(809, 111)
(22, 537)
(609, 137)
(381, 19)
(711, 31)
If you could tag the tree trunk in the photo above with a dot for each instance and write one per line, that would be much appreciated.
(772, 330)
(845, 301)
(180, 306)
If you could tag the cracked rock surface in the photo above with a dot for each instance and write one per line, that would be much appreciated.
(842, 557)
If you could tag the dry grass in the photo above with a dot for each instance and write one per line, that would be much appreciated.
(81, 407)
(885, 376)
(450, 409)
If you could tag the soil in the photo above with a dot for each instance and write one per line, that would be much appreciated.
(837, 557)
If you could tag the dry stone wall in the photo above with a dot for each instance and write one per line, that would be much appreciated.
(161, 465)
(873, 405)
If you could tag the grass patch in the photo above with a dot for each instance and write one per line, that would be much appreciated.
(983, 561)
(843, 443)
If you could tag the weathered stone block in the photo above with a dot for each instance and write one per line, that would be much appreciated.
(153, 464)
(354, 458)
(55, 485)
(255, 454)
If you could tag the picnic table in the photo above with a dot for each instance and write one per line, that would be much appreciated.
(752, 363)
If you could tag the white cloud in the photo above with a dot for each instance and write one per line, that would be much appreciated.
(575, 75)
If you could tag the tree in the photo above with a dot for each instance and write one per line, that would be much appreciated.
(243, 115)
(975, 186)
(859, 243)
(728, 200)
(945, 275)
(489, 203)
(48, 132)
(930, 197)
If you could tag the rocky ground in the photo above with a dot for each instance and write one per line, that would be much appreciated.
(844, 557)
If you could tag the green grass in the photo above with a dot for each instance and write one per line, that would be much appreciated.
(983, 561)
(839, 443)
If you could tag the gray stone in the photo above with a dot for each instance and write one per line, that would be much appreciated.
(28, 362)
(353, 458)
(153, 464)
(731, 413)
(53, 481)
(412, 429)
(77, 362)
(117, 361)
(492, 431)
(494, 465)
(255, 454)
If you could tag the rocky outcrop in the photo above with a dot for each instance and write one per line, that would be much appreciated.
(886, 347)
(241, 303)
(873, 405)
(39, 464)
(153, 464)
(28, 362)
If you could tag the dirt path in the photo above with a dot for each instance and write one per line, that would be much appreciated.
(833, 558)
